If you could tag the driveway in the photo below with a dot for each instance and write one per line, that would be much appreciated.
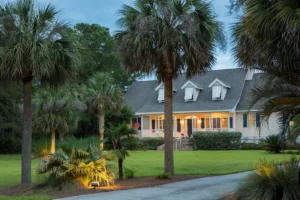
(209, 188)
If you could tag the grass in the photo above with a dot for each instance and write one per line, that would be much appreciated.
(150, 163)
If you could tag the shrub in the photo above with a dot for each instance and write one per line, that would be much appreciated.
(272, 181)
(132, 143)
(152, 143)
(74, 166)
(83, 143)
(164, 175)
(217, 140)
(129, 173)
(273, 144)
(41, 148)
(252, 146)
(10, 143)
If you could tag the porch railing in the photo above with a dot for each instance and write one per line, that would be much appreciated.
(212, 129)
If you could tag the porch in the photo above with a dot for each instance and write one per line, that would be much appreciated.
(184, 124)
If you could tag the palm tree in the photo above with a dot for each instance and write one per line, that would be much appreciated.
(267, 37)
(54, 111)
(102, 95)
(118, 136)
(34, 46)
(168, 37)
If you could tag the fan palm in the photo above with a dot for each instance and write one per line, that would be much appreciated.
(168, 37)
(54, 111)
(34, 45)
(101, 95)
(118, 135)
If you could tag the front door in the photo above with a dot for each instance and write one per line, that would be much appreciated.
(190, 126)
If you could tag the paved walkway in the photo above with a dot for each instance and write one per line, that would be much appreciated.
(209, 188)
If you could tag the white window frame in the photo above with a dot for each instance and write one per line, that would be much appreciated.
(189, 94)
(161, 95)
(217, 92)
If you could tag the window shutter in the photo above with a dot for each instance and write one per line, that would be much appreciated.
(245, 120)
(139, 121)
(178, 125)
(153, 124)
(257, 120)
(231, 122)
(202, 122)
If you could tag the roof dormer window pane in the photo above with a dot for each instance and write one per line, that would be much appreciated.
(189, 94)
(216, 92)
(161, 95)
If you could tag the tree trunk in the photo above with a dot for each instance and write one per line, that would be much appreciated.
(169, 160)
(101, 128)
(27, 132)
(120, 163)
(52, 141)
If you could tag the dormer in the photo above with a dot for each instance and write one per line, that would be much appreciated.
(192, 91)
(161, 92)
(219, 89)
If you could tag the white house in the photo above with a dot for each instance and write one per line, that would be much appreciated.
(215, 101)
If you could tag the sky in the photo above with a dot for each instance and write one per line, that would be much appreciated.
(105, 13)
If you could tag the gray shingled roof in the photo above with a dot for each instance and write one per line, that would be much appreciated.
(142, 96)
(244, 104)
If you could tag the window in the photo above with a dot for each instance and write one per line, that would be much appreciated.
(224, 122)
(189, 94)
(216, 122)
(159, 123)
(251, 119)
(216, 92)
(161, 95)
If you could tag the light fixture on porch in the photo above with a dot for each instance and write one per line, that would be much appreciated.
(199, 120)
(182, 121)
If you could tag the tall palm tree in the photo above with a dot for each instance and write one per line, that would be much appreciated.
(33, 46)
(54, 111)
(102, 95)
(168, 37)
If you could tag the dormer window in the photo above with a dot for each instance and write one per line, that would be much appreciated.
(216, 92)
(161, 92)
(219, 89)
(161, 95)
(192, 91)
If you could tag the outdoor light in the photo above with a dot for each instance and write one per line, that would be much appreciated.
(95, 184)
(199, 120)
(182, 122)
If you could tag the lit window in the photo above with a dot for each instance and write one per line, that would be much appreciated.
(251, 119)
(216, 92)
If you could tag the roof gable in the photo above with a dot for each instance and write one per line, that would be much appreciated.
(220, 82)
(189, 82)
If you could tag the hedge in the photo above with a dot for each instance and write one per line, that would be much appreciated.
(221, 140)
(142, 144)
(252, 146)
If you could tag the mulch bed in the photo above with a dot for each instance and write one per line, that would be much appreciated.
(229, 197)
(19, 190)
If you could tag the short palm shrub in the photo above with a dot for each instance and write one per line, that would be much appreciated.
(69, 166)
(164, 175)
(273, 144)
(272, 182)
(129, 173)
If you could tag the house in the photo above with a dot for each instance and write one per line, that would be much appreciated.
(215, 101)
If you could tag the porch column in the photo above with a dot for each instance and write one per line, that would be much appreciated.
(174, 126)
(228, 121)
(234, 120)
(141, 125)
(192, 124)
(158, 124)
(210, 125)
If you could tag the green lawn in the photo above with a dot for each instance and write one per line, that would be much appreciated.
(26, 198)
(150, 163)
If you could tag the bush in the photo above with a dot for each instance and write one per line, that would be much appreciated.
(273, 144)
(41, 148)
(164, 175)
(252, 146)
(70, 166)
(152, 143)
(132, 143)
(81, 143)
(217, 140)
(10, 143)
(129, 173)
(272, 181)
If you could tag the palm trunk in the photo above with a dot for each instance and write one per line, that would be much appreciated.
(120, 164)
(27, 132)
(169, 160)
(52, 141)
(101, 128)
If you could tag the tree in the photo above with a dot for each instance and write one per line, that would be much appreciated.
(102, 95)
(168, 37)
(118, 135)
(34, 45)
(54, 111)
